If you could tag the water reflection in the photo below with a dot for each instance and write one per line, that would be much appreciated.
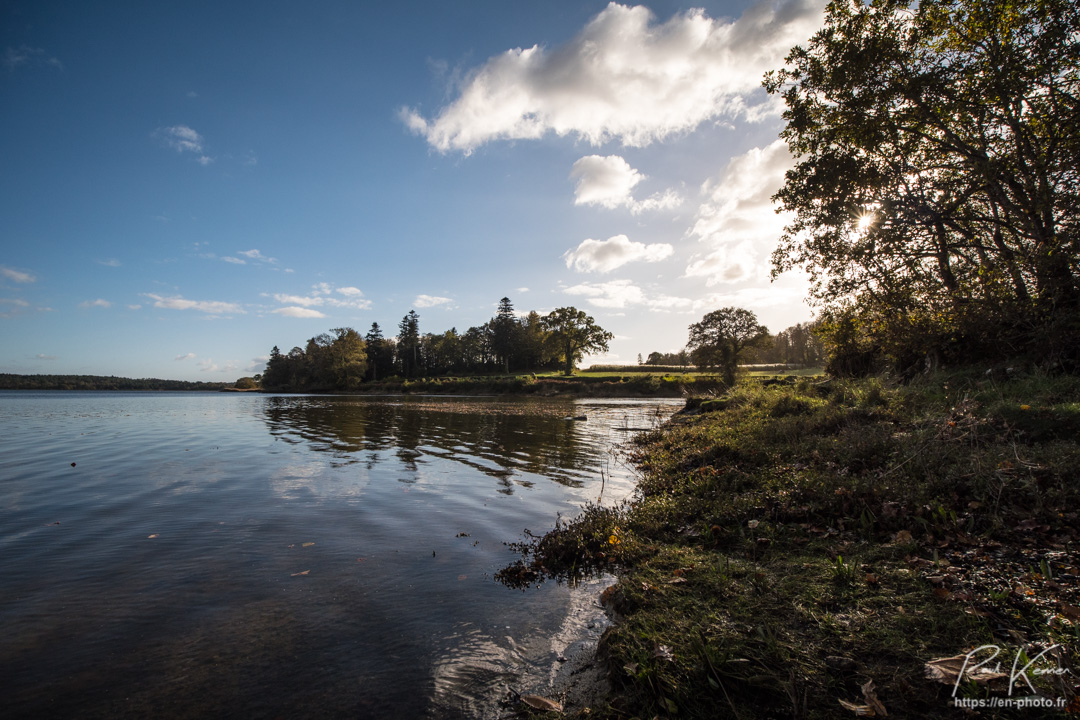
(505, 440)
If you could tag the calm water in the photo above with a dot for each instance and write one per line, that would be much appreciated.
(240, 555)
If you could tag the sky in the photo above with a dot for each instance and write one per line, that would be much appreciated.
(184, 186)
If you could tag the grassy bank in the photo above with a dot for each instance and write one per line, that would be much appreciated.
(795, 547)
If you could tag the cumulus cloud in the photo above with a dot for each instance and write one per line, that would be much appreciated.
(212, 307)
(608, 181)
(624, 77)
(96, 303)
(737, 222)
(606, 255)
(188, 356)
(423, 301)
(299, 312)
(16, 275)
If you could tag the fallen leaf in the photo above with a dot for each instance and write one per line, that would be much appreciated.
(676, 580)
(151, 537)
(462, 577)
(903, 536)
(947, 670)
(360, 559)
(872, 699)
(537, 702)
(307, 544)
(663, 652)
(871, 579)
(305, 572)
(861, 710)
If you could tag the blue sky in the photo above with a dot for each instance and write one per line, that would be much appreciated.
(184, 186)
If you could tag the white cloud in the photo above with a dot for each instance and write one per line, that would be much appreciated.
(96, 303)
(322, 296)
(737, 221)
(16, 275)
(256, 255)
(299, 300)
(111, 262)
(181, 138)
(43, 356)
(134, 307)
(213, 307)
(423, 301)
(257, 364)
(521, 289)
(624, 77)
(299, 312)
(606, 255)
(234, 260)
(605, 181)
(608, 181)
(188, 356)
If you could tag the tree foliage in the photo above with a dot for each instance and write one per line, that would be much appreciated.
(575, 333)
(716, 341)
(330, 361)
(935, 194)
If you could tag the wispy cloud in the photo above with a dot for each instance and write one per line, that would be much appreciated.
(624, 77)
(212, 307)
(425, 301)
(111, 262)
(99, 303)
(606, 255)
(323, 295)
(299, 312)
(187, 356)
(26, 56)
(184, 139)
(43, 356)
(16, 275)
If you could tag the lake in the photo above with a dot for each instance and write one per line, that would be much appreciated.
(257, 556)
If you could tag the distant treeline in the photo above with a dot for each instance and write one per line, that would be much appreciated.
(797, 345)
(343, 359)
(99, 382)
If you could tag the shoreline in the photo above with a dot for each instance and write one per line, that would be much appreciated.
(824, 549)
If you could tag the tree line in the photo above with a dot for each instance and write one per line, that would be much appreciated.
(343, 359)
(10, 381)
(797, 345)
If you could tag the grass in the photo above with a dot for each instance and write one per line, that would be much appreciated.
(791, 541)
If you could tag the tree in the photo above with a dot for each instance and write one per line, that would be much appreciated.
(721, 335)
(409, 343)
(575, 334)
(936, 194)
(504, 332)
